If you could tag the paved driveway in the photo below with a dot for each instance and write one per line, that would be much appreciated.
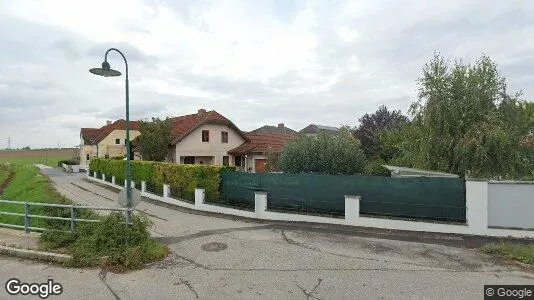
(220, 258)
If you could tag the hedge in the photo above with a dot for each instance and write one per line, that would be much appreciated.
(182, 178)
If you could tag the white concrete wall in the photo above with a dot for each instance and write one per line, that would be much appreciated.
(192, 144)
(511, 205)
(477, 204)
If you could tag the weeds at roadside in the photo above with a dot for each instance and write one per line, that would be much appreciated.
(510, 251)
(110, 243)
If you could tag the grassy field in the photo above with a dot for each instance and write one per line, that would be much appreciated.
(48, 157)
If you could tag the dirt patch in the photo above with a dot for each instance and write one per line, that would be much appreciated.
(7, 181)
(36, 153)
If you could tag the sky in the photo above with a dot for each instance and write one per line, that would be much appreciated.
(258, 63)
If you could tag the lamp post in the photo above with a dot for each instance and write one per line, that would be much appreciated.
(106, 71)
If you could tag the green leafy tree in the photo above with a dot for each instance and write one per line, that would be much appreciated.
(324, 153)
(155, 139)
(464, 122)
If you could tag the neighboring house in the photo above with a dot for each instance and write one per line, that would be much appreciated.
(280, 129)
(252, 154)
(107, 141)
(313, 129)
(204, 138)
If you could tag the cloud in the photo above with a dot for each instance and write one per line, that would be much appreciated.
(256, 62)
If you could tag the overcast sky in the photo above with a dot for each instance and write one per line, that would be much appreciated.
(255, 62)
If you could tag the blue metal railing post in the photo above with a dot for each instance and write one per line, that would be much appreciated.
(26, 217)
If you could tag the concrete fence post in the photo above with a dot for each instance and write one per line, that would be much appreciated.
(133, 184)
(143, 186)
(200, 195)
(95, 175)
(260, 199)
(166, 190)
(113, 180)
(125, 182)
(476, 201)
(87, 173)
(103, 176)
(352, 209)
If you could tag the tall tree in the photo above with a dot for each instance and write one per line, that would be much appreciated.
(324, 153)
(155, 139)
(372, 125)
(461, 121)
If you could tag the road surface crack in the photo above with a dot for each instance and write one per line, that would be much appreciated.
(102, 275)
(188, 284)
(311, 293)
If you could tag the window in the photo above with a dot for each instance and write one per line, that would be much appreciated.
(117, 141)
(189, 160)
(224, 137)
(238, 161)
(205, 135)
(226, 160)
(106, 156)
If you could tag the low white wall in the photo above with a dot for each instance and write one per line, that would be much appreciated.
(74, 168)
(511, 205)
(476, 202)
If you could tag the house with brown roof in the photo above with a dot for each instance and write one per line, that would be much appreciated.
(107, 141)
(280, 129)
(312, 129)
(204, 138)
(252, 154)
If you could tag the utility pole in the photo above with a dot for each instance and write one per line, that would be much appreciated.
(8, 142)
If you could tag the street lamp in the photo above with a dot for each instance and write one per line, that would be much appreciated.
(106, 71)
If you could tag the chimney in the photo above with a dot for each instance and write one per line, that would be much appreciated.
(280, 125)
(108, 122)
(201, 111)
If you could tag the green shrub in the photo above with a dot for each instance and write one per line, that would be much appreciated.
(182, 178)
(186, 178)
(111, 242)
(325, 153)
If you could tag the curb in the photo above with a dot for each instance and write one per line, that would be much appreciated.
(34, 254)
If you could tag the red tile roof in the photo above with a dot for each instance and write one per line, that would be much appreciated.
(93, 136)
(182, 126)
(260, 143)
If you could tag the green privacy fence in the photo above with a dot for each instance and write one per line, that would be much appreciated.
(416, 197)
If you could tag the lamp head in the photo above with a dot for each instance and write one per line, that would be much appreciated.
(105, 71)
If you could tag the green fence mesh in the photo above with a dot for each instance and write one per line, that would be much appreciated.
(417, 197)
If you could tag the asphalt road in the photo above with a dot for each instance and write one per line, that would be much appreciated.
(222, 258)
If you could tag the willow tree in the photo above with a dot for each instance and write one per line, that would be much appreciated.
(466, 122)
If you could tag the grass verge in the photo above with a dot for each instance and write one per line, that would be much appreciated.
(30, 186)
(510, 251)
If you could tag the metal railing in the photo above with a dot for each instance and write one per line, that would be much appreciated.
(73, 219)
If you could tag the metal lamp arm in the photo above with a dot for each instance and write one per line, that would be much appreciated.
(124, 57)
